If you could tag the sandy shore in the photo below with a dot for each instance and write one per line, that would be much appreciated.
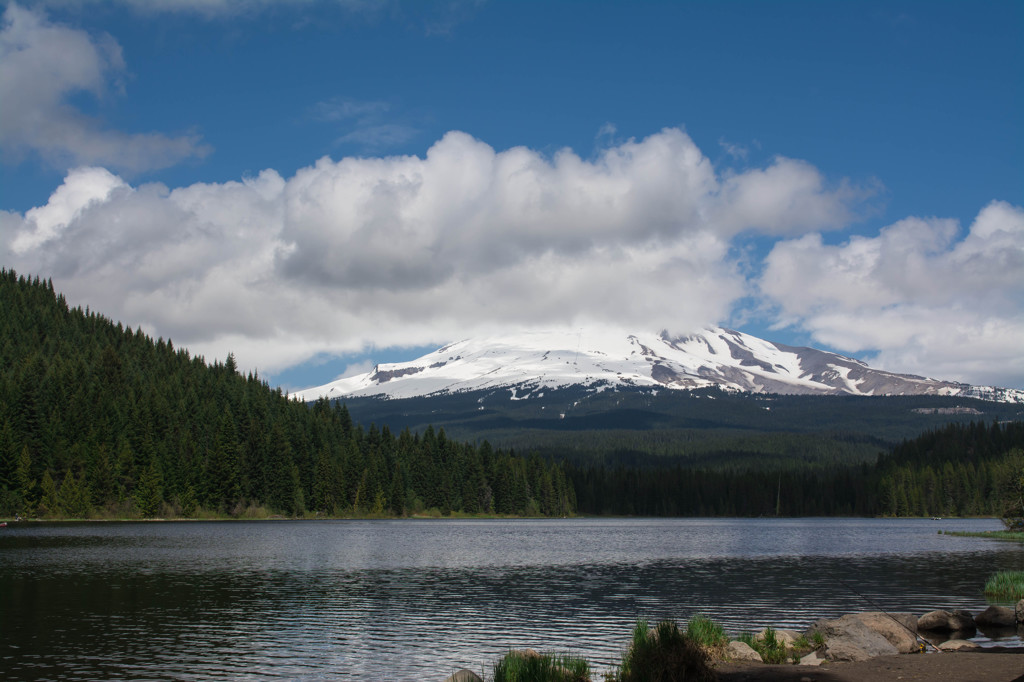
(978, 665)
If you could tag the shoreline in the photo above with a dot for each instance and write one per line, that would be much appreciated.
(996, 664)
(992, 534)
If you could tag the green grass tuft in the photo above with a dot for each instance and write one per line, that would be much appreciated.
(528, 666)
(663, 654)
(771, 648)
(1008, 585)
(708, 634)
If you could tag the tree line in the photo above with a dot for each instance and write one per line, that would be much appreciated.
(957, 470)
(98, 420)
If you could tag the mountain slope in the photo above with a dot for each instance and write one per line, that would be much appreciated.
(99, 421)
(527, 364)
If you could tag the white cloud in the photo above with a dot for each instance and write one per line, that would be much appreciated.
(408, 251)
(788, 197)
(42, 65)
(924, 300)
(737, 152)
(84, 188)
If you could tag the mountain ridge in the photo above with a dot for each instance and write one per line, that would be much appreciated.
(529, 363)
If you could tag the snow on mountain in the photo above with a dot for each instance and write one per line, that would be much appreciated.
(528, 363)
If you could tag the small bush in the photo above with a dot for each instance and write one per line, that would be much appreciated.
(771, 648)
(708, 634)
(663, 654)
(1008, 585)
(529, 666)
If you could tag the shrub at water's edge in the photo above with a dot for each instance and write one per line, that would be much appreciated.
(708, 634)
(1006, 585)
(770, 647)
(530, 666)
(663, 654)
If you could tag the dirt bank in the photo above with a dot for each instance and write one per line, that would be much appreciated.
(979, 665)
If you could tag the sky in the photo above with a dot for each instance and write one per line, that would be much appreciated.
(317, 186)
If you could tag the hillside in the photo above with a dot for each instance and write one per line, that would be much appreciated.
(706, 428)
(100, 420)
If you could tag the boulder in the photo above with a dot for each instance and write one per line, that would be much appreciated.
(463, 675)
(741, 651)
(849, 639)
(812, 658)
(900, 629)
(1019, 610)
(945, 621)
(957, 644)
(996, 617)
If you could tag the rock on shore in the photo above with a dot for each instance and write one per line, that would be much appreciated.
(996, 617)
(860, 636)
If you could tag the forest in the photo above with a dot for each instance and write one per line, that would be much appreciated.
(100, 421)
(97, 420)
(958, 470)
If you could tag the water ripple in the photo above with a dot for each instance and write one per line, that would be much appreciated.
(416, 600)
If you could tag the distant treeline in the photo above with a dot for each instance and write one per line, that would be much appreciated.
(958, 470)
(100, 420)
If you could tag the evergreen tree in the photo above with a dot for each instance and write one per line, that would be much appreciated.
(222, 473)
(74, 499)
(28, 493)
(148, 495)
(49, 502)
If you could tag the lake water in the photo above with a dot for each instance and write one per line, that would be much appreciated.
(415, 600)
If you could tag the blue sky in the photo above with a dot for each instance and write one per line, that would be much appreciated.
(315, 185)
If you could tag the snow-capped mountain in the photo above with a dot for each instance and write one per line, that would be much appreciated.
(527, 364)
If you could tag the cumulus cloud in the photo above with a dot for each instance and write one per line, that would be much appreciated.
(42, 66)
(408, 250)
(918, 294)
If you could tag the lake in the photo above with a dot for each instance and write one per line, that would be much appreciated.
(416, 600)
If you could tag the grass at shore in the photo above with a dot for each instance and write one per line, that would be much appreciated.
(708, 634)
(1008, 585)
(770, 647)
(1013, 535)
(529, 666)
(663, 652)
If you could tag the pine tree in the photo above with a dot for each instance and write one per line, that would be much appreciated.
(74, 496)
(398, 492)
(49, 503)
(148, 495)
(29, 495)
(222, 471)
(280, 484)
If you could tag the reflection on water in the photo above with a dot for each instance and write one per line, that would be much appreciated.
(414, 600)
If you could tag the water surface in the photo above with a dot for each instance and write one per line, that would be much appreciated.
(414, 600)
